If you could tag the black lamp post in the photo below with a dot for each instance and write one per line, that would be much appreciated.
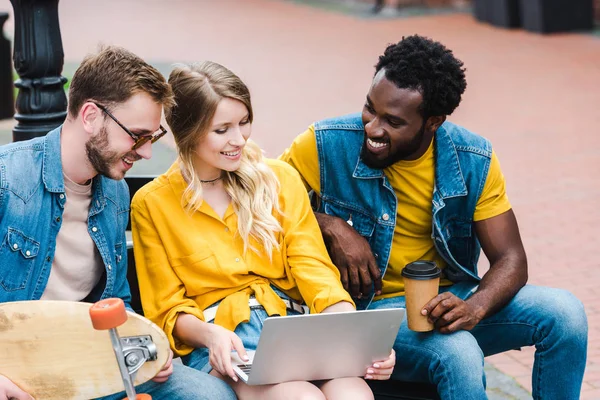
(7, 108)
(38, 58)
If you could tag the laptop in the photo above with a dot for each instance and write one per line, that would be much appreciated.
(319, 346)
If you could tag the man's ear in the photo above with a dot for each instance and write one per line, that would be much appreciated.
(435, 122)
(90, 116)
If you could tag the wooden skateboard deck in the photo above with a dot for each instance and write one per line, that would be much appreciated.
(51, 350)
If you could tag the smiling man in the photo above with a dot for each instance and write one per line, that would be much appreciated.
(399, 183)
(64, 206)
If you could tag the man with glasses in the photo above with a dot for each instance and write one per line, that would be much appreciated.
(140, 139)
(63, 196)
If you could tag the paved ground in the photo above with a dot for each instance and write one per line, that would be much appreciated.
(536, 97)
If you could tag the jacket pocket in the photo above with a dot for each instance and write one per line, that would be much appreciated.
(456, 228)
(459, 238)
(18, 251)
(361, 222)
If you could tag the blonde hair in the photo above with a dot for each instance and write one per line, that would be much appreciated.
(253, 187)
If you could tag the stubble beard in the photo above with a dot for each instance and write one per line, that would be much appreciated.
(401, 153)
(101, 157)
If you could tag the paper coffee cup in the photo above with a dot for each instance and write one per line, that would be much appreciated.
(421, 284)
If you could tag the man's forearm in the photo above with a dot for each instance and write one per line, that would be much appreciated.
(501, 242)
(499, 285)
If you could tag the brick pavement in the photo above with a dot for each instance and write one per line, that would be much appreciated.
(536, 97)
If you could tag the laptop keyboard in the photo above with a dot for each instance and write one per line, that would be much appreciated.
(245, 368)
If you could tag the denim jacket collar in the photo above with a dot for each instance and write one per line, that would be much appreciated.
(52, 172)
(452, 184)
(363, 171)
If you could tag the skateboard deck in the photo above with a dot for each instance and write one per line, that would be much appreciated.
(51, 350)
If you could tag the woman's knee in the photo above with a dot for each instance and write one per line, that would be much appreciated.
(302, 391)
(347, 389)
(289, 390)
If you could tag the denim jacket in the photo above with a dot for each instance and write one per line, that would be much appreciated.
(363, 196)
(32, 199)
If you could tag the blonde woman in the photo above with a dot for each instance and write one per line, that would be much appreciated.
(215, 234)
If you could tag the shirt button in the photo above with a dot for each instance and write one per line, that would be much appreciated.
(57, 219)
(62, 196)
(27, 253)
(109, 267)
(226, 229)
(94, 229)
(15, 246)
(385, 217)
(237, 260)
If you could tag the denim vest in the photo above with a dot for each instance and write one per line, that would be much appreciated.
(364, 197)
(32, 199)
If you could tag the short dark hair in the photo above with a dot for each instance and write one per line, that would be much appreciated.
(112, 76)
(419, 63)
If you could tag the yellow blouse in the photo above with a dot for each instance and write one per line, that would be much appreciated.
(187, 261)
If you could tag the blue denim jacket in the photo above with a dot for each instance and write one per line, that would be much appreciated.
(353, 191)
(32, 199)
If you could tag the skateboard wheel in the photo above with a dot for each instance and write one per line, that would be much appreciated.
(108, 313)
(141, 397)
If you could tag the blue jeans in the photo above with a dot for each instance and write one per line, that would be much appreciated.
(185, 384)
(552, 320)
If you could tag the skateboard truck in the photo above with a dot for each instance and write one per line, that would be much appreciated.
(131, 352)
(136, 351)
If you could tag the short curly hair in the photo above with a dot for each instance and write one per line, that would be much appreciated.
(419, 63)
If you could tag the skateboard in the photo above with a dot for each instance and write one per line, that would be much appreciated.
(78, 351)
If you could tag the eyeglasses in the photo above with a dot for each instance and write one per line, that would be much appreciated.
(140, 140)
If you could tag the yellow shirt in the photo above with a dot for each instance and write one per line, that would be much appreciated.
(187, 261)
(413, 185)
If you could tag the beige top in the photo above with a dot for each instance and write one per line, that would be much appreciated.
(77, 265)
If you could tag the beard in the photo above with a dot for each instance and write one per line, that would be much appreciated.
(104, 160)
(401, 152)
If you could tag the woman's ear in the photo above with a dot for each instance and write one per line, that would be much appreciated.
(90, 116)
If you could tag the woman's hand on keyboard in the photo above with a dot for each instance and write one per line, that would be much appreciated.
(220, 343)
(382, 370)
